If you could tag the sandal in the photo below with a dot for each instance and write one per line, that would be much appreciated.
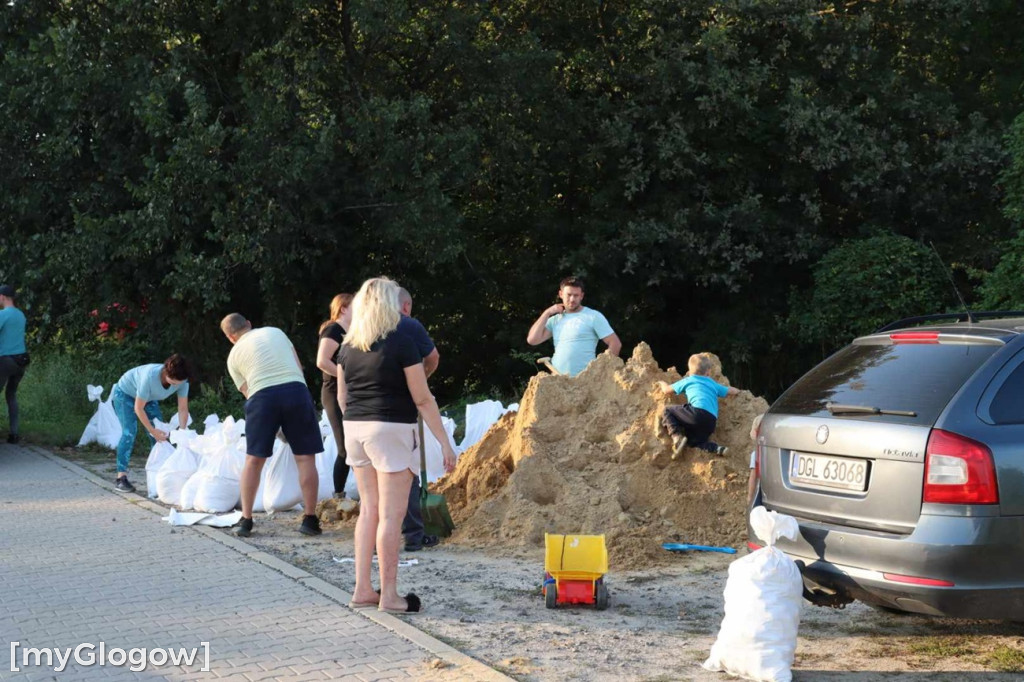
(412, 605)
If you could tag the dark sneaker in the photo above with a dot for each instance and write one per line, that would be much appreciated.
(721, 450)
(678, 443)
(123, 485)
(310, 525)
(244, 529)
(428, 541)
(13, 438)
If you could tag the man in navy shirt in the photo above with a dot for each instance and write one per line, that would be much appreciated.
(412, 526)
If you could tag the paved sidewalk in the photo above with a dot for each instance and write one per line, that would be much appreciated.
(83, 564)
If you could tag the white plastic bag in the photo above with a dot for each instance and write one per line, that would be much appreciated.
(479, 417)
(175, 472)
(763, 597)
(104, 427)
(280, 482)
(159, 454)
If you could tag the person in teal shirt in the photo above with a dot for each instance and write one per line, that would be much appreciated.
(695, 422)
(574, 328)
(13, 357)
(135, 399)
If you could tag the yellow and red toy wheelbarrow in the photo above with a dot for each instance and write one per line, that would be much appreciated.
(574, 568)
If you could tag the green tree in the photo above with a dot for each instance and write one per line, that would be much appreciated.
(864, 284)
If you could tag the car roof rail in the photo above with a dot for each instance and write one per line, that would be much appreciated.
(963, 316)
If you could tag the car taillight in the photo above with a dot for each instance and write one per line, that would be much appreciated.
(914, 337)
(757, 451)
(958, 470)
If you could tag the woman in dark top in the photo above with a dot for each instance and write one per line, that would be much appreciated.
(381, 387)
(332, 332)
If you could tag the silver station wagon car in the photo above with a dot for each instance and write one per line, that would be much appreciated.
(902, 459)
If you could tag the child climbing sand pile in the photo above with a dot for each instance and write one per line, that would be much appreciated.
(694, 422)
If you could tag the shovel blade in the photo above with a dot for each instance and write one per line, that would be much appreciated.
(436, 518)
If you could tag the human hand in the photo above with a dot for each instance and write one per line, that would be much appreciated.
(160, 436)
(449, 458)
(556, 309)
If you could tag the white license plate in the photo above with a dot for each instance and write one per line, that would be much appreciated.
(822, 471)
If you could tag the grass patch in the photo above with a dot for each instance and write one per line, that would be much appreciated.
(942, 647)
(1006, 659)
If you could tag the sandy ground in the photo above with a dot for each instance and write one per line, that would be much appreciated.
(660, 626)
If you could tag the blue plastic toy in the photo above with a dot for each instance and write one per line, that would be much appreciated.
(679, 547)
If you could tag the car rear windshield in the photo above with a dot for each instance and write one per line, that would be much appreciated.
(918, 378)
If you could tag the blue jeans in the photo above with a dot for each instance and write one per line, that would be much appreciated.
(124, 408)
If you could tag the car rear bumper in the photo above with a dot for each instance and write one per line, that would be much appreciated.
(872, 587)
(979, 558)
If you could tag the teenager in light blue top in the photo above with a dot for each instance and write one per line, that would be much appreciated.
(135, 399)
(574, 328)
(13, 358)
(694, 422)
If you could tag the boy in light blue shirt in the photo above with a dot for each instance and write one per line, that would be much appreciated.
(574, 328)
(695, 421)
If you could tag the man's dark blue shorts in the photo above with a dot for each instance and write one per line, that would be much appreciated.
(288, 407)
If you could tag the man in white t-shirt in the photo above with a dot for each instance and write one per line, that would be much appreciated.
(574, 328)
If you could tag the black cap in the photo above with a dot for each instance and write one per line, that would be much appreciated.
(7, 290)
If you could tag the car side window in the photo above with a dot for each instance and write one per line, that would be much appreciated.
(1008, 403)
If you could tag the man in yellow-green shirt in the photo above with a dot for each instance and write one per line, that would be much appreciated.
(266, 369)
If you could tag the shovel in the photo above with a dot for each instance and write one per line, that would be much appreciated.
(547, 363)
(434, 508)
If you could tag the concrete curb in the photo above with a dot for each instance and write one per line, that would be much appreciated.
(471, 666)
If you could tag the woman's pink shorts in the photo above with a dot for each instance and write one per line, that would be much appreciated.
(388, 446)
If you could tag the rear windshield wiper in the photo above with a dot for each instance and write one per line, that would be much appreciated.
(836, 408)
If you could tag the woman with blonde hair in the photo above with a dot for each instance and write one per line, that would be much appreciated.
(332, 332)
(381, 388)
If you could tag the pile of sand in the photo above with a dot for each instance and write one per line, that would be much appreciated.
(583, 455)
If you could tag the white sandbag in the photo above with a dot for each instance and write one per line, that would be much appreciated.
(280, 483)
(187, 496)
(325, 426)
(211, 423)
(479, 417)
(175, 472)
(435, 460)
(157, 456)
(763, 597)
(325, 467)
(214, 487)
(104, 427)
(219, 489)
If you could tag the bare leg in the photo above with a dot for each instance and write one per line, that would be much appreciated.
(366, 533)
(309, 481)
(394, 500)
(250, 482)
